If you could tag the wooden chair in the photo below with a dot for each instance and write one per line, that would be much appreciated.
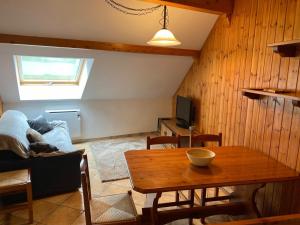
(204, 138)
(201, 140)
(17, 181)
(106, 210)
(175, 140)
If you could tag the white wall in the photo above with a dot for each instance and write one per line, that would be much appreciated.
(102, 118)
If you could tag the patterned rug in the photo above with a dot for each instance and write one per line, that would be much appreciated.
(109, 155)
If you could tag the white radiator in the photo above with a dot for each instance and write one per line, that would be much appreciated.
(71, 116)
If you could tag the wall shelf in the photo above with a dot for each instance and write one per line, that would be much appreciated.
(259, 93)
(287, 48)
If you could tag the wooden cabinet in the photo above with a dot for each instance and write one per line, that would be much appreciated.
(168, 127)
(165, 131)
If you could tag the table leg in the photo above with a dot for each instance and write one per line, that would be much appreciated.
(203, 197)
(155, 220)
(191, 198)
(146, 210)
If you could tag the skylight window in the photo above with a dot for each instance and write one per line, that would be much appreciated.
(51, 78)
(49, 70)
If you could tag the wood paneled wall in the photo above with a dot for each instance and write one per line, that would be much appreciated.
(235, 56)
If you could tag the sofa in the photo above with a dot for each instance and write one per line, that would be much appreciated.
(50, 174)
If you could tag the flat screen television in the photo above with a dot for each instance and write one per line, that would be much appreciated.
(184, 112)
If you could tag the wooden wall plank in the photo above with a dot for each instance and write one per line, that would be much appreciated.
(243, 130)
(297, 22)
(236, 56)
(258, 127)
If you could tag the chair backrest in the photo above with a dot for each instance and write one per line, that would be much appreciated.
(163, 140)
(86, 188)
(202, 138)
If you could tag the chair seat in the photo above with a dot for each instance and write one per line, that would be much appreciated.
(113, 208)
(13, 178)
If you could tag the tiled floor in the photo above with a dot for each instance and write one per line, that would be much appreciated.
(67, 209)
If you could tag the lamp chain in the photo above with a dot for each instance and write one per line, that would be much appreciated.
(164, 21)
(131, 11)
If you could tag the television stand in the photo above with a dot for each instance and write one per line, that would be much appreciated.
(169, 127)
(181, 125)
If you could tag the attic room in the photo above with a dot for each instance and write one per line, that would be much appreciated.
(150, 112)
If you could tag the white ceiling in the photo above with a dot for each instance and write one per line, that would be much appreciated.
(114, 75)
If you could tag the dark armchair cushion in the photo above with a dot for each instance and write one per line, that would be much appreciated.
(39, 147)
(40, 124)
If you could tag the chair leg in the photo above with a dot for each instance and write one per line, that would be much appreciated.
(191, 198)
(216, 192)
(155, 220)
(29, 201)
(203, 198)
(177, 196)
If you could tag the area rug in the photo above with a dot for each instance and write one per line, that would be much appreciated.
(109, 155)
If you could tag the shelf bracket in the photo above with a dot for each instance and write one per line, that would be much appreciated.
(296, 103)
(286, 51)
(251, 95)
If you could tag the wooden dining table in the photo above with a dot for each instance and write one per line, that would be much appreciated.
(291, 219)
(165, 170)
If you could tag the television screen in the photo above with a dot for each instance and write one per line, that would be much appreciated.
(184, 111)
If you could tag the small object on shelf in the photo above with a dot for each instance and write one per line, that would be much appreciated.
(259, 93)
(275, 90)
(200, 157)
(287, 48)
(191, 128)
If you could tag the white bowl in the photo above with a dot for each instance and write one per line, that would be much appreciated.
(200, 157)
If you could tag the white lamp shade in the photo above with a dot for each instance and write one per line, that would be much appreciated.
(164, 37)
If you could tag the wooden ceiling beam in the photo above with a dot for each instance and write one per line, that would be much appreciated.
(94, 45)
(210, 6)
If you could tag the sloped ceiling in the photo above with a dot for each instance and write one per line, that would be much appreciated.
(114, 75)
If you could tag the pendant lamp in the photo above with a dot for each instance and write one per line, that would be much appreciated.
(164, 37)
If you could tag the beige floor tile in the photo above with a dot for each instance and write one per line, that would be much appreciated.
(58, 199)
(94, 175)
(109, 189)
(80, 220)
(75, 201)
(167, 197)
(99, 188)
(9, 219)
(116, 189)
(41, 209)
(138, 198)
(124, 183)
(91, 160)
(62, 216)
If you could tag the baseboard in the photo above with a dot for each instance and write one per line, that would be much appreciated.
(79, 141)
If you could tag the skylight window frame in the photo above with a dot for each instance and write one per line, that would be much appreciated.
(18, 62)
